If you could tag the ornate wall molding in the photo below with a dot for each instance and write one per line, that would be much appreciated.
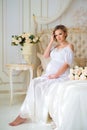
(80, 16)
(7, 30)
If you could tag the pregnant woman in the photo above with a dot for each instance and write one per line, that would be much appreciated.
(41, 95)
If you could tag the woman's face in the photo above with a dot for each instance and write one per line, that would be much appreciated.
(60, 35)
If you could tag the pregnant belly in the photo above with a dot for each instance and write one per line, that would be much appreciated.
(53, 67)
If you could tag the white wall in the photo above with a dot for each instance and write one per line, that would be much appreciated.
(16, 17)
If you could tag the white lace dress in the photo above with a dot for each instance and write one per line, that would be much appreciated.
(42, 94)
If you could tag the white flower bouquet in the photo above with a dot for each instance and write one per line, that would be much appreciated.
(24, 38)
(78, 73)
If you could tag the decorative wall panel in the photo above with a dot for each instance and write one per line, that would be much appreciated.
(11, 24)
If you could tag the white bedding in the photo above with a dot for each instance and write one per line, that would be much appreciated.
(73, 105)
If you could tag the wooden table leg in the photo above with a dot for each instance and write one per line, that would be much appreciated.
(11, 87)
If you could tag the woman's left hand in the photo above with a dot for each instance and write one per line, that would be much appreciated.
(52, 76)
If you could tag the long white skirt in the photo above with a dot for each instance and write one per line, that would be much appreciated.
(65, 101)
(40, 96)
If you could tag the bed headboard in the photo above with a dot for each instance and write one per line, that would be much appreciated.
(76, 36)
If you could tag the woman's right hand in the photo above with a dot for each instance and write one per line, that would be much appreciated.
(52, 39)
(48, 49)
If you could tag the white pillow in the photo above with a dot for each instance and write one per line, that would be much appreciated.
(44, 61)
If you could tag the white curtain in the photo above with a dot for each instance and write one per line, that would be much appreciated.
(62, 6)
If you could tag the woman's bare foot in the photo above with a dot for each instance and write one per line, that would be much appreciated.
(17, 121)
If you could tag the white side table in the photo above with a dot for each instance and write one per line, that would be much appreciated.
(18, 67)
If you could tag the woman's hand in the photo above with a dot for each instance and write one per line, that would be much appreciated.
(52, 76)
(52, 39)
(48, 49)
